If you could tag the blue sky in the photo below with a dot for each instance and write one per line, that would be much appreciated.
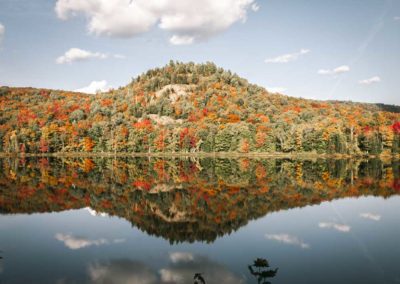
(344, 50)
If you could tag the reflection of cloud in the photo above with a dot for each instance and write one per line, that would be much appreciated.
(371, 216)
(121, 271)
(95, 213)
(118, 241)
(185, 265)
(181, 269)
(338, 227)
(74, 243)
(287, 239)
(180, 257)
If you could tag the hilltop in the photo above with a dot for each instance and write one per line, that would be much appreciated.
(187, 107)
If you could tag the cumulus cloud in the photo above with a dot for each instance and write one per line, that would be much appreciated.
(275, 90)
(372, 80)
(336, 71)
(338, 227)
(287, 239)
(181, 40)
(371, 216)
(74, 243)
(95, 87)
(186, 21)
(287, 57)
(2, 32)
(77, 54)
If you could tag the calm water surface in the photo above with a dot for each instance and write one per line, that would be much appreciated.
(141, 220)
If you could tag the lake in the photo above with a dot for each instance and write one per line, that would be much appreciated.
(153, 220)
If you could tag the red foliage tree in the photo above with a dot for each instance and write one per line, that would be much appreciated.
(396, 127)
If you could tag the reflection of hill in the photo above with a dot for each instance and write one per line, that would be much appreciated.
(188, 200)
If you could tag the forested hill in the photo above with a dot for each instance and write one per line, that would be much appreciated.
(191, 108)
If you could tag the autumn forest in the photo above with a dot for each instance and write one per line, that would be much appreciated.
(191, 108)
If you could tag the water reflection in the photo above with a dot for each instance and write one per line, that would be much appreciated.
(193, 206)
(287, 239)
(187, 200)
(199, 279)
(76, 242)
(177, 270)
(121, 271)
(260, 270)
(187, 270)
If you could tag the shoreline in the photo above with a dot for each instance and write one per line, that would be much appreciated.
(199, 155)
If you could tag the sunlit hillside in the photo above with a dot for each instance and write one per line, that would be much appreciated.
(187, 107)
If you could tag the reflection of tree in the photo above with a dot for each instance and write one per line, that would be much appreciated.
(187, 199)
(259, 269)
(199, 279)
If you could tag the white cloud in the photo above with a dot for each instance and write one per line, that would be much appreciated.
(287, 239)
(74, 243)
(375, 79)
(2, 31)
(77, 54)
(119, 56)
(275, 90)
(187, 21)
(95, 87)
(371, 216)
(181, 40)
(336, 71)
(287, 57)
(338, 227)
(255, 7)
(397, 18)
(176, 257)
